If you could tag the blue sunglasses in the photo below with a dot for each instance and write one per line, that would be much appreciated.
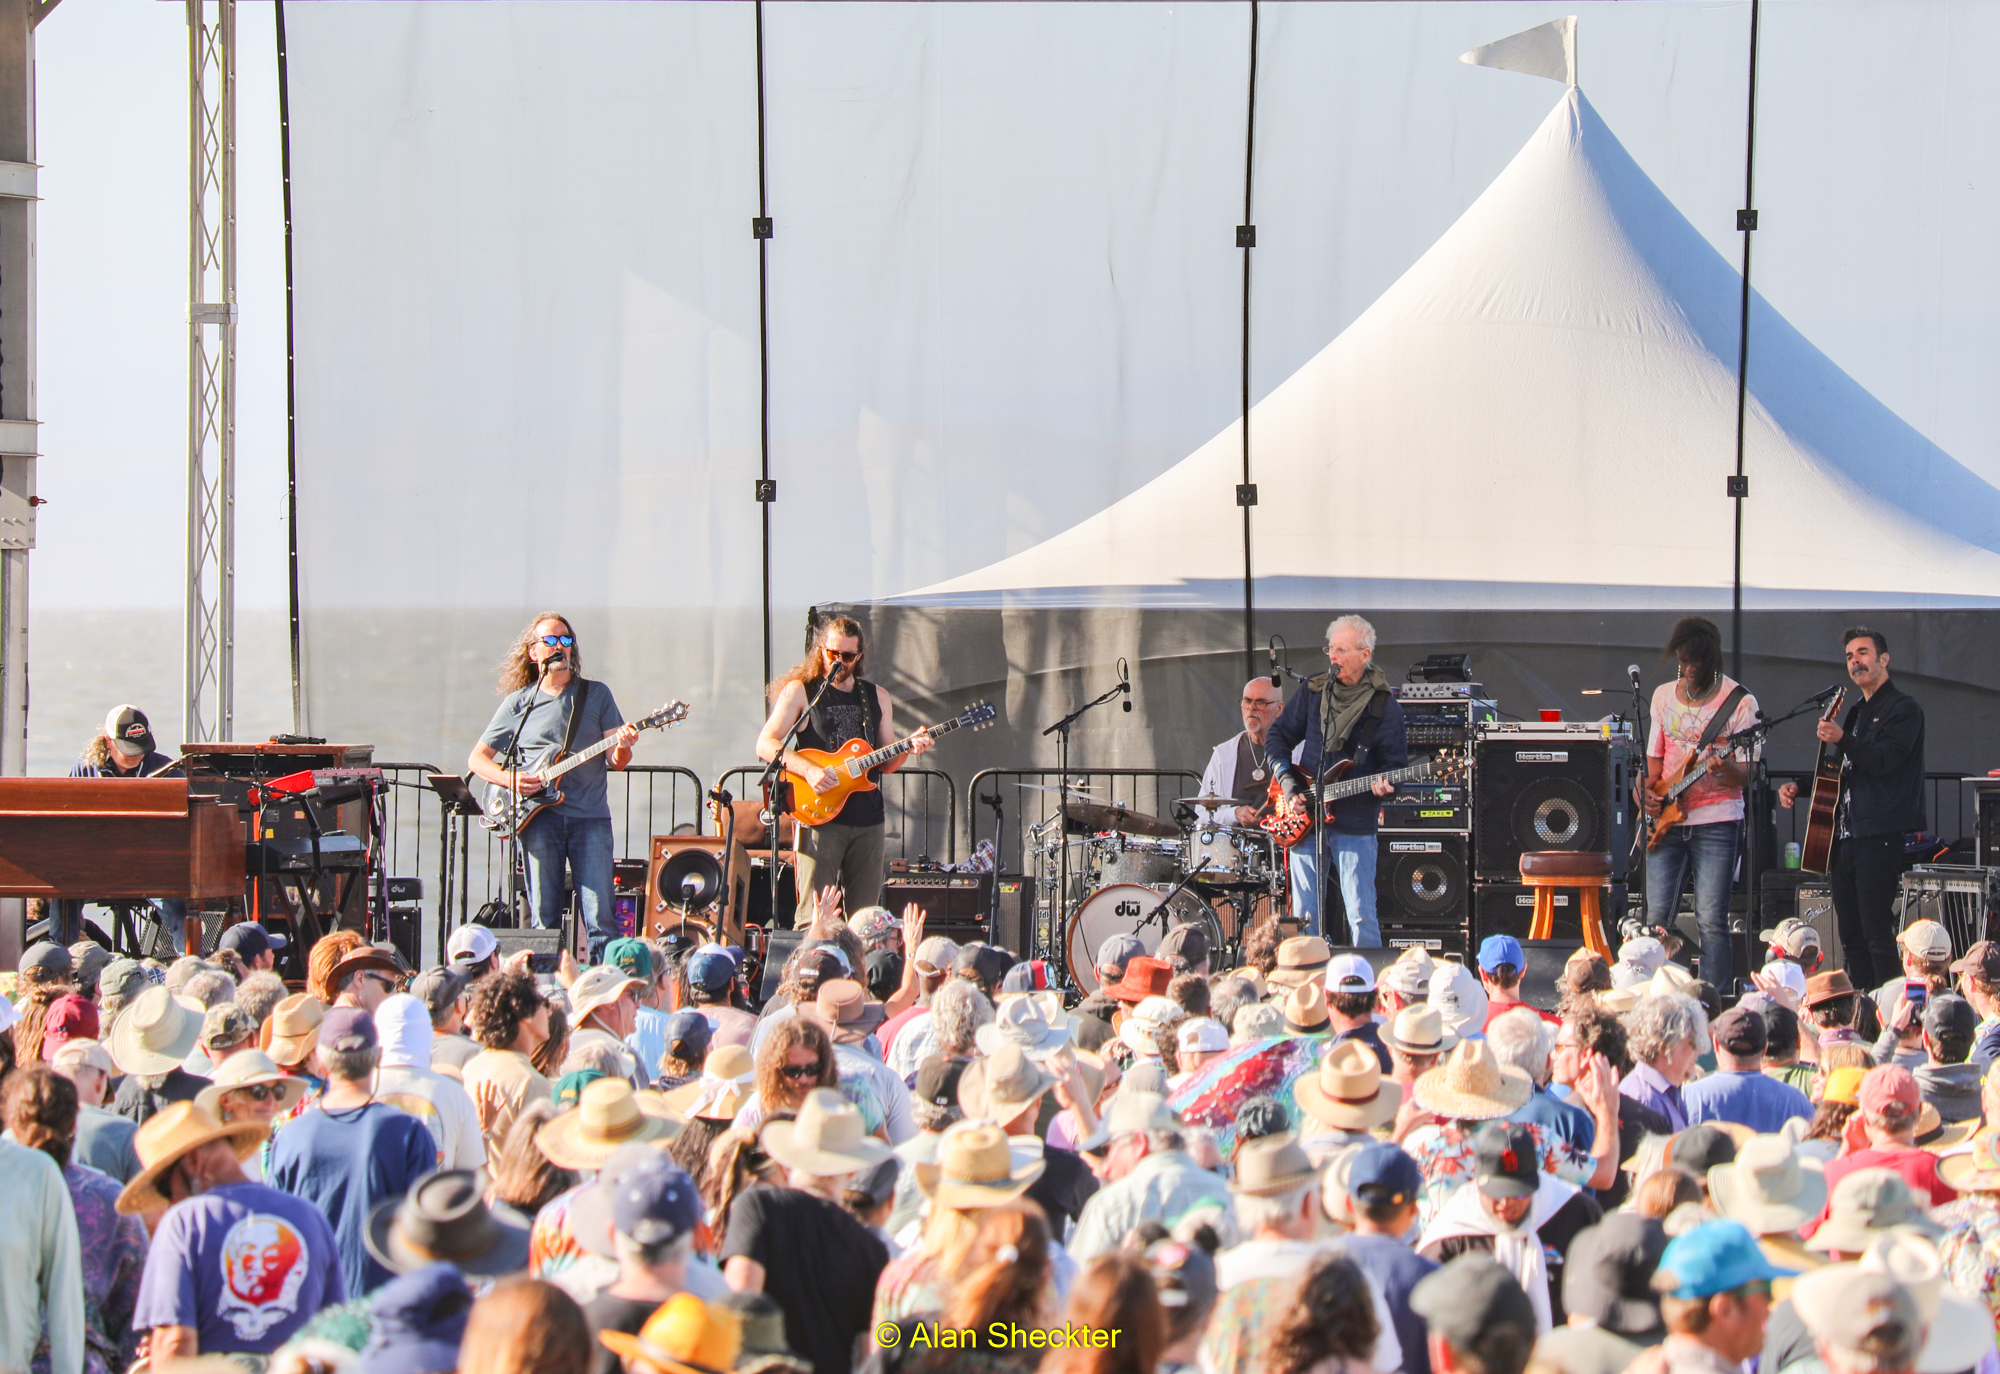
(559, 641)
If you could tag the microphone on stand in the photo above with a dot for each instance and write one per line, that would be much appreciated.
(1272, 654)
(1125, 683)
(1632, 671)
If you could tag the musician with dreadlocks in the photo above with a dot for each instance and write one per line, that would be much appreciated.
(1692, 717)
(846, 852)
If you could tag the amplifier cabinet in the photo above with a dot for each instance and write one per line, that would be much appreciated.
(1550, 787)
(957, 906)
(1509, 909)
(1422, 891)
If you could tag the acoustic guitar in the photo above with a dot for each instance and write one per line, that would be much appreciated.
(1335, 784)
(850, 765)
(508, 813)
(1816, 851)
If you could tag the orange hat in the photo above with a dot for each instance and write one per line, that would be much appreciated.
(686, 1336)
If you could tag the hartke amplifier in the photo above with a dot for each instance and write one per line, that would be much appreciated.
(957, 906)
(1421, 807)
(1509, 909)
(1550, 786)
(1422, 893)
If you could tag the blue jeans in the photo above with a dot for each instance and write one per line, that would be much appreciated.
(66, 919)
(1353, 858)
(587, 844)
(1709, 851)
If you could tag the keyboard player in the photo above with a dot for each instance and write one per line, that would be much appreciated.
(124, 748)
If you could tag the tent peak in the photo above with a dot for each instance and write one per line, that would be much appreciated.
(1546, 50)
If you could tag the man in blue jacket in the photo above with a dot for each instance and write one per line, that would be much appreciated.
(1347, 713)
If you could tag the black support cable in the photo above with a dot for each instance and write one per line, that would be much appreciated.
(760, 229)
(291, 378)
(1746, 224)
(1246, 241)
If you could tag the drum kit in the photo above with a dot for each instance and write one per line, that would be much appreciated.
(1132, 873)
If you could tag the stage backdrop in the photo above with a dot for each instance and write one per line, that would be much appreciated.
(1491, 341)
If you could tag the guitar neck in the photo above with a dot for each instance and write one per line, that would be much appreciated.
(1349, 787)
(900, 747)
(579, 758)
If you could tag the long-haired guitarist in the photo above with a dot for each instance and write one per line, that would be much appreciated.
(845, 852)
(552, 707)
(1880, 741)
(1697, 831)
(1347, 713)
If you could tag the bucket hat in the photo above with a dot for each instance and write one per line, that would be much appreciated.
(1866, 1205)
(1271, 1166)
(1769, 1188)
(156, 1033)
(247, 1069)
(1023, 1021)
(843, 1007)
(1002, 1085)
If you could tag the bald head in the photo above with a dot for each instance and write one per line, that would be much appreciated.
(1261, 704)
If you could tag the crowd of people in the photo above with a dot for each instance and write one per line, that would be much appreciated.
(918, 1158)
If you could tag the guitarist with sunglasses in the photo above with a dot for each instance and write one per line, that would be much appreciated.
(1695, 833)
(846, 852)
(550, 705)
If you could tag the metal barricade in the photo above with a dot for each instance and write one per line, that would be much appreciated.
(921, 806)
(1029, 796)
(1945, 810)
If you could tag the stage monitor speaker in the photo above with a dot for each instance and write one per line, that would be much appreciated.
(955, 905)
(1422, 895)
(406, 933)
(1553, 789)
(1986, 849)
(685, 874)
(779, 946)
(1546, 959)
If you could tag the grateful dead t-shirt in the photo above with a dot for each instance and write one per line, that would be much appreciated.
(244, 1265)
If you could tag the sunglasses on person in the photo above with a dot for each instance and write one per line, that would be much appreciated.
(381, 980)
(258, 1092)
(846, 655)
(559, 641)
(800, 1073)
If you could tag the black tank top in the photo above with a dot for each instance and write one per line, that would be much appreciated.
(840, 717)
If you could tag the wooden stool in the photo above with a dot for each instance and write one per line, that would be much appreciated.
(1546, 870)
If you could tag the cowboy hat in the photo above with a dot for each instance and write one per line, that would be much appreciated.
(1300, 960)
(826, 1139)
(1305, 1010)
(445, 1216)
(976, 1166)
(1145, 1026)
(294, 1028)
(843, 1009)
(607, 1114)
(156, 1032)
(1271, 1166)
(728, 1078)
(685, 1336)
(1418, 1030)
(1824, 987)
(173, 1133)
(1471, 1085)
(1769, 1188)
(1001, 1086)
(246, 1069)
(1349, 1093)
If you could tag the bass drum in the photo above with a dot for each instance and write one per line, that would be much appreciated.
(1124, 909)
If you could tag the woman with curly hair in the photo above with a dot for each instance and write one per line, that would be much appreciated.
(795, 1058)
(510, 1019)
(1329, 1327)
(1114, 1293)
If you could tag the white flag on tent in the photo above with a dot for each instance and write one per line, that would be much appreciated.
(1545, 50)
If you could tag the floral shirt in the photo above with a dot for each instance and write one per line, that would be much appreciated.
(1246, 1318)
(314, 1087)
(555, 1257)
(114, 1254)
(1444, 1152)
(1971, 1246)
(910, 1286)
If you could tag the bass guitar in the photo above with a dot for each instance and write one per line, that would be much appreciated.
(848, 767)
(1334, 784)
(508, 813)
(1816, 850)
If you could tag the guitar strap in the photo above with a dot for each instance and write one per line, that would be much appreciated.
(575, 715)
(1719, 722)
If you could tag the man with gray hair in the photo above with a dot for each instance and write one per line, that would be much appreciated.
(956, 1013)
(1588, 1123)
(653, 1212)
(1666, 1033)
(1346, 714)
(1148, 1176)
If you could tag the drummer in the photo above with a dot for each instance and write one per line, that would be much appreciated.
(1239, 768)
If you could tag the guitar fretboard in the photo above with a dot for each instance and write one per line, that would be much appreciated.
(890, 751)
(1349, 787)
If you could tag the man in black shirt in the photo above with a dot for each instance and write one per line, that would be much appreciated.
(798, 1245)
(1881, 745)
(846, 852)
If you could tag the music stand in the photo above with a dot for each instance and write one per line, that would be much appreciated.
(459, 806)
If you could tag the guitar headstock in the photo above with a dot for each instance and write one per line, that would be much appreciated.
(673, 713)
(1833, 706)
(1448, 765)
(978, 716)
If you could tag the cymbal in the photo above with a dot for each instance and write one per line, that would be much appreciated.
(1101, 817)
(1209, 801)
(1039, 787)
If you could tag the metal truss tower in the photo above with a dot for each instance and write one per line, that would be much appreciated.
(209, 656)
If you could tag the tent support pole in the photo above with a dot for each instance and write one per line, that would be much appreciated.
(1246, 240)
(1746, 224)
(291, 380)
(760, 229)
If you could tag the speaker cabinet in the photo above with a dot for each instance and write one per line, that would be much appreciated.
(1422, 894)
(685, 872)
(1552, 788)
(957, 906)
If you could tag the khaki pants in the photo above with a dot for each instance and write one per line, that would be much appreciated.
(845, 856)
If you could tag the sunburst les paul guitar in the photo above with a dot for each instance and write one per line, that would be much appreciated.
(1335, 784)
(848, 768)
(508, 813)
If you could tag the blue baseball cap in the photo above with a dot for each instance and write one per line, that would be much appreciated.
(417, 1322)
(655, 1203)
(711, 970)
(1715, 1257)
(687, 1035)
(250, 940)
(1501, 949)
(1382, 1172)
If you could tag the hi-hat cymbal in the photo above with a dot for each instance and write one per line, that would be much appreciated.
(1209, 801)
(1100, 817)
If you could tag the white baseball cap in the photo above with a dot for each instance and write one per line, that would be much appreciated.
(1788, 974)
(1201, 1035)
(1349, 973)
(471, 944)
(1926, 940)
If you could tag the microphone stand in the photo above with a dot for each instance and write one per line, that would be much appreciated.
(511, 762)
(772, 811)
(1059, 930)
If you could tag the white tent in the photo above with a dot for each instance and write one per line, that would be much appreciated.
(1541, 414)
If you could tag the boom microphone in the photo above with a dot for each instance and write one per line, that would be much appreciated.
(1125, 683)
(1272, 654)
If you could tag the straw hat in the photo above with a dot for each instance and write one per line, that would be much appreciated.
(1961, 1330)
(1419, 1029)
(1305, 1010)
(844, 1010)
(1271, 1166)
(1977, 1170)
(607, 1114)
(728, 1080)
(685, 1336)
(1300, 960)
(156, 1032)
(826, 1140)
(1348, 1093)
(1471, 1085)
(294, 1027)
(445, 1216)
(1770, 1188)
(173, 1133)
(979, 1166)
(246, 1069)
(1002, 1085)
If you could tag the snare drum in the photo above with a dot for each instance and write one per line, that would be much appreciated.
(1237, 856)
(1129, 909)
(1121, 858)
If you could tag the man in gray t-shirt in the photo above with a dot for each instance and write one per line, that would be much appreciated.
(545, 688)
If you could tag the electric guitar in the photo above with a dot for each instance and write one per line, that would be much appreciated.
(1816, 851)
(508, 812)
(1288, 829)
(850, 764)
(1671, 812)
